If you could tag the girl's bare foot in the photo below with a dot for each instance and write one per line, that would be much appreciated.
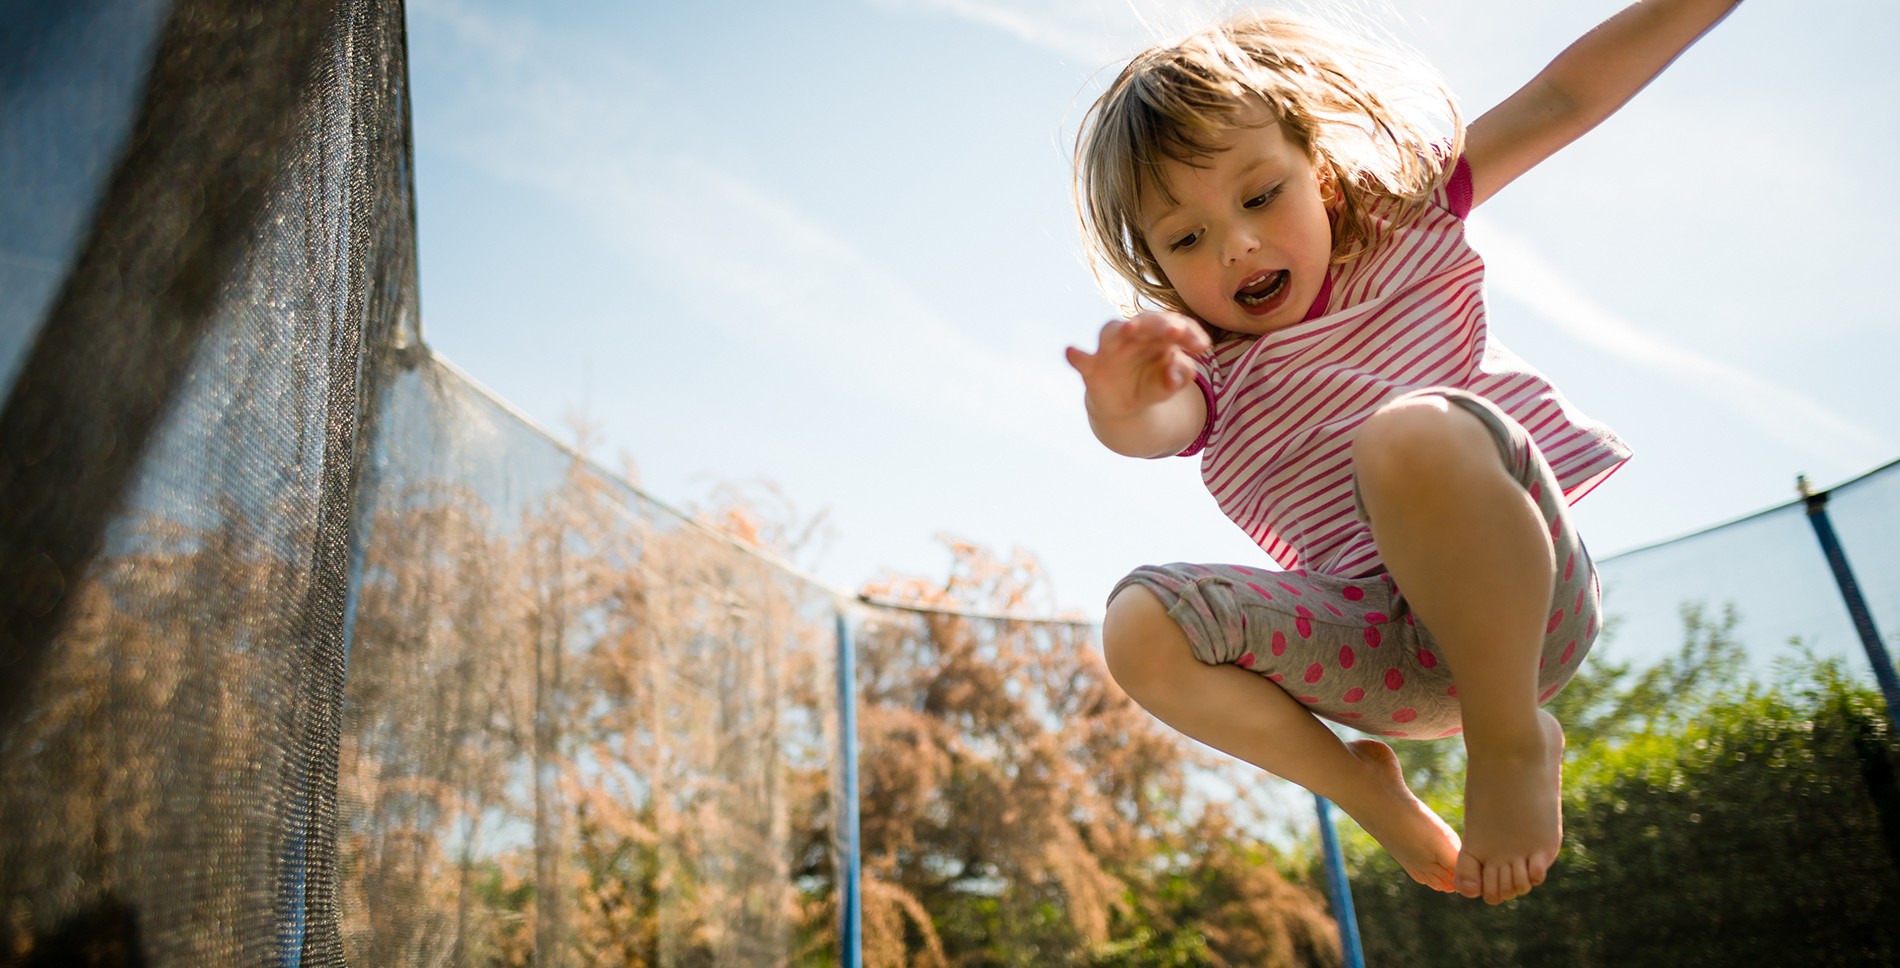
(1513, 814)
(1408, 829)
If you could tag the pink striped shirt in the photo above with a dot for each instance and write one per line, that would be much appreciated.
(1283, 407)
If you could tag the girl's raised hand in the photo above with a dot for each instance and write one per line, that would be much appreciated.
(1140, 384)
(1140, 361)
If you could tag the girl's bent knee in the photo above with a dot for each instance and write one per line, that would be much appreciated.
(1137, 637)
(1416, 436)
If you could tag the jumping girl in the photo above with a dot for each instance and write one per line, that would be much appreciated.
(1308, 319)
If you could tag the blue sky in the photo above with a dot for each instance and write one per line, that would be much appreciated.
(830, 245)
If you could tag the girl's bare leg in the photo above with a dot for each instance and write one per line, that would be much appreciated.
(1240, 713)
(1468, 548)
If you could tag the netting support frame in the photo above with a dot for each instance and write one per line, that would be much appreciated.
(1339, 886)
(850, 866)
(1850, 594)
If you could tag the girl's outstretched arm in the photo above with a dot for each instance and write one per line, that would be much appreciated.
(1140, 391)
(1587, 83)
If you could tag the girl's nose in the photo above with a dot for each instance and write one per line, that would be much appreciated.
(1240, 242)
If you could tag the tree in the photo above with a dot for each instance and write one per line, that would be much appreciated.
(1019, 809)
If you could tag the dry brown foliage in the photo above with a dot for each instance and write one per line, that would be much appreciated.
(591, 734)
(628, 727)
(1005, 775)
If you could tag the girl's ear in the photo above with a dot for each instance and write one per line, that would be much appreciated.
(1328, 184)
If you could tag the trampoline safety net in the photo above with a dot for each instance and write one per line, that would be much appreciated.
(314, 653)
(1769, 572)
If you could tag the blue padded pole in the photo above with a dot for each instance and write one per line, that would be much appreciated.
(1856, 605)
(850, 923)
(1340, 887)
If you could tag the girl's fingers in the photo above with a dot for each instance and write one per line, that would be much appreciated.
(1151, 334)
(1145, 343)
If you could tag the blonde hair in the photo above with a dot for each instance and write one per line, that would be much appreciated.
(1365, 116)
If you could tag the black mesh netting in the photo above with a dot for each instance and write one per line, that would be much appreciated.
(315, 654)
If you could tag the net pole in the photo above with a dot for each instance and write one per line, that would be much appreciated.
(1856, 605)
(850, 922)
(1338, 886)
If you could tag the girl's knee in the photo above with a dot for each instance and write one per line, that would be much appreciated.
(1139, 639)
(1417, 436)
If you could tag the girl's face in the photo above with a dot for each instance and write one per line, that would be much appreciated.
(1245, 239)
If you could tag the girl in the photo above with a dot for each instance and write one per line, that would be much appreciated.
(1315, 331)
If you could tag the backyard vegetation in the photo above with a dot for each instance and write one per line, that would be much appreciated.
(1709, 820)
(596, 736)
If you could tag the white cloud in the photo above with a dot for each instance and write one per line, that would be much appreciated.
(577, 122)
(1090, 32)
(1516, 270)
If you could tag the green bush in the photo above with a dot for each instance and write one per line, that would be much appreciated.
(1708, 821)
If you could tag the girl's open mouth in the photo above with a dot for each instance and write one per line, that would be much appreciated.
(1264, 290)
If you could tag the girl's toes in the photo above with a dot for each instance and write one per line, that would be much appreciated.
(1468, 877)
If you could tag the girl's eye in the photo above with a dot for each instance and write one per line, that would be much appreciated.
(1186, 241)
(1262, 199)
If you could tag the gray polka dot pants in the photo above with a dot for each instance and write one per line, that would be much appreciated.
(1351, 649)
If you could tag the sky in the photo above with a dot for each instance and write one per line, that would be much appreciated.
(829, 247)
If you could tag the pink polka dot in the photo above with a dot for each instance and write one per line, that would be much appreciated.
(1556, 529)
(1409, 620)
(1452, 692)
(1289, 587)
(1570, 566)
(1537, 491)
(1394, 679)
(1314, 672)
(1302, 611)
(1354, 694)
(1591, 628)
(1345, 657)
(1372, 638)
(1245, 661)
(1352, 594)
(1263, 593)
(1552, 691)
(1405, 715)
(1396, 733)
(1426, 659)
(1298, 571)
(1579, 609)
(1376, 618)
(1540, 663)
(1569, 650)
(1335, 610)
(1556, 619)
(1307, 698)
(1243, 626)
(1455, 730)
(1243, 569)
(1304, 626)
(1276, 677)
(1279, 642)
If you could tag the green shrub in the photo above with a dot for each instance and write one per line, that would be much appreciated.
(1708, 821)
